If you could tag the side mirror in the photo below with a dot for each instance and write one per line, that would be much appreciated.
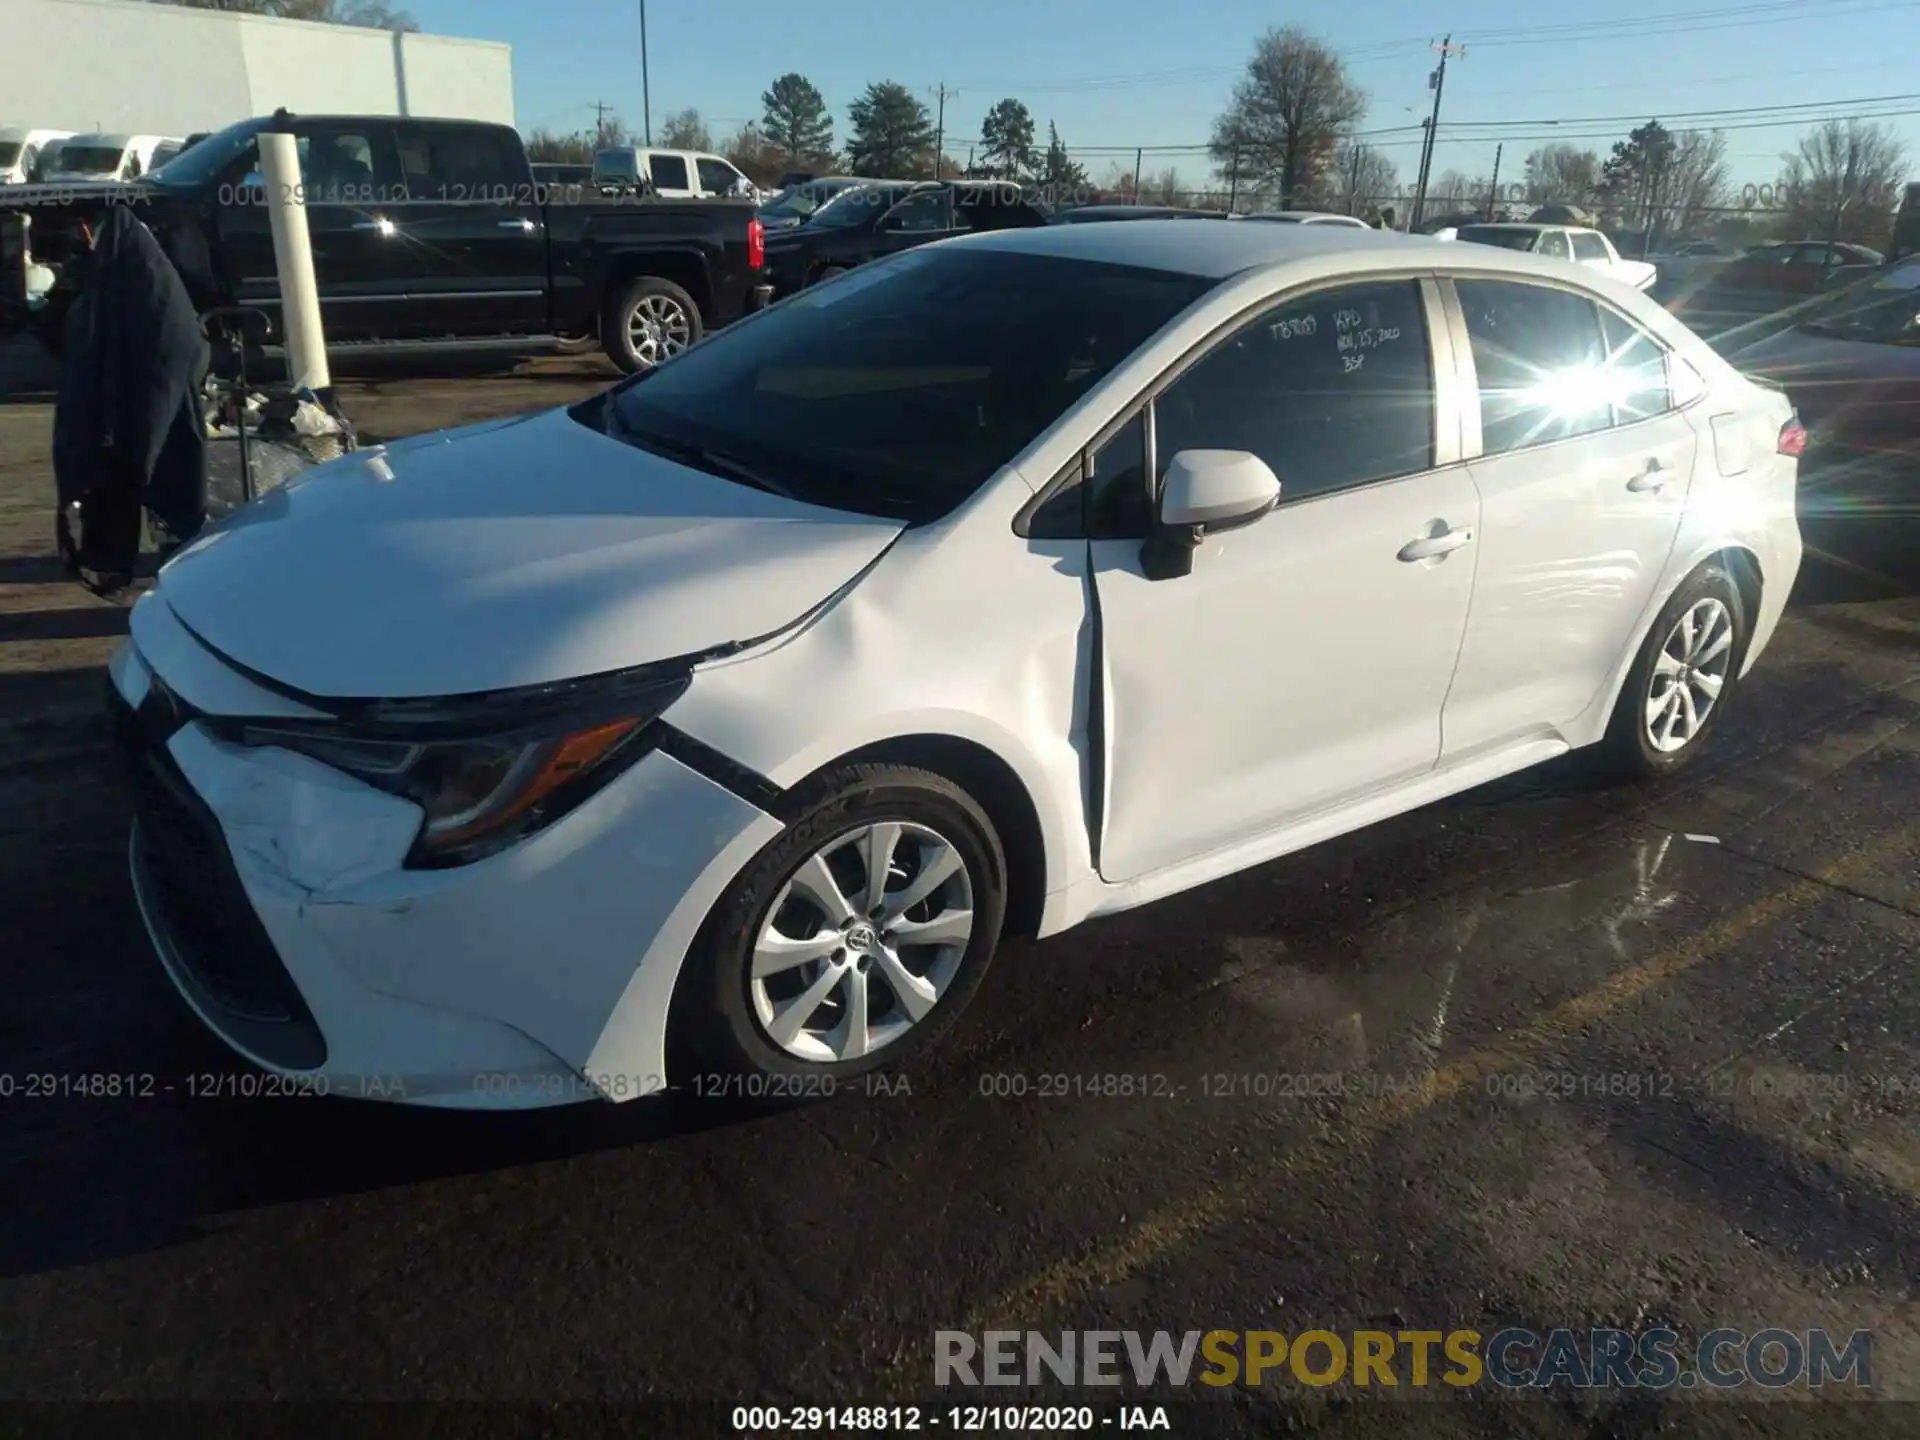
(1205, 492)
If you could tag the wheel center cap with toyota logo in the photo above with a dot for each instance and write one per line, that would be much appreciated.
(861, 937)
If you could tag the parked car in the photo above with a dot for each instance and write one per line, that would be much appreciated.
(553, 174)
(1564, 242)
(1688, 260)
(673, 174)
(1850, 362)
(430, 230)
(20, 151)
(1308, 217)
(736, 712)
(797, 203)
(1796, 269)
(884, 217)
(86, 158)
(1084, 214)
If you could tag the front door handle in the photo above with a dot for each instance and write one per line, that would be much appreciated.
(523, 225)
(383, 226)
(1653, 478)
(1432, 547)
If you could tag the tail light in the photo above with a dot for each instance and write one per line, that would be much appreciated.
(756, 244)
(1793, 437)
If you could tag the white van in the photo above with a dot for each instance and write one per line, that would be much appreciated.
(113, 157)
(674, 174)
(20, 151)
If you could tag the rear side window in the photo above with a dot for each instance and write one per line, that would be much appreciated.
(1553, 243)
(1637, 364)
(1590, 247)
(669, 172)
(459, 164)
(1332, 390)
(1539, 359)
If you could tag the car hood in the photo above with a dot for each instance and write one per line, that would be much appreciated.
(513, 553)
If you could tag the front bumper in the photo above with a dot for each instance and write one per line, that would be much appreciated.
(274, 893)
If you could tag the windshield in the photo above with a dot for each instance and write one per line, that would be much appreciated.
(898, 389)
(855, 204)
(1495, 235)
(90, 159)
(803, 200)
(203, 163)
(1882, 311)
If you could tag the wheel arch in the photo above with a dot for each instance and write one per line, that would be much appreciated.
(1740, 562)
(683, 268)
(992, 781)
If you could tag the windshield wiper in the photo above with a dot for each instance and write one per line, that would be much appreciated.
(696, 456)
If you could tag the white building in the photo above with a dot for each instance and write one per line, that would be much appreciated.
(130, 66)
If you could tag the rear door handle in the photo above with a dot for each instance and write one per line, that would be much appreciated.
(1431, 547)
(383, 226)
(1652, 478)
(523, 225)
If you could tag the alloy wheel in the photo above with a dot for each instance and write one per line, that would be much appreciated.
(1688, 675)
(658, 327)
(861, 942)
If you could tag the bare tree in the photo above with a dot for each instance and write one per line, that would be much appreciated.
(546, 147)
(371, 14)
(1360, 181)
(1845, 175)
(1562, 174)
(1287, 115)
(685, 130)
(1119, 181)
(1161, 189)
(1694, 185)
(1455, 190)
(759, 157)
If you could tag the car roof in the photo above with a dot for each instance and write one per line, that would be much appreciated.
(1305, 216)
(1210, 250)
(100, 140)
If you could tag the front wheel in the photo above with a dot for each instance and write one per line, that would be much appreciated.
(856, 937)
(1682, 680)
(648, 322)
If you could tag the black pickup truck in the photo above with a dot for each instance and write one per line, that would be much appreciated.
(423, 231)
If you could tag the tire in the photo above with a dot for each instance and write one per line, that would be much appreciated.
(1640, 742)
(727, 1023)
(649, 320)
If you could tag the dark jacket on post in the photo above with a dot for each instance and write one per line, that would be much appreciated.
(127, 430)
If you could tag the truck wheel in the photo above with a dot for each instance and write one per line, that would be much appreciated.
(651, 320)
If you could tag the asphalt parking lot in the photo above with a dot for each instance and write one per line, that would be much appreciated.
(1598, 1057)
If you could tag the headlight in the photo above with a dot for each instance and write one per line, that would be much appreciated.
(481, 791)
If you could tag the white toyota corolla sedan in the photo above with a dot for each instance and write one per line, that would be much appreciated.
(722, 724)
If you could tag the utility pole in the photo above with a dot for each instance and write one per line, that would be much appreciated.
(646, 98)
(600, 108)
(941, 93)
(1138, 152)
(1437, 81)
(1233, 181)
(1493, 190)
(1353, 178)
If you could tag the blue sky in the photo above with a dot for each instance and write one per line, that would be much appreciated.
(1121, 73)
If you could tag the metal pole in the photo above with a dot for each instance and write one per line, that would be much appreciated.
(306, 342)
(646, 96)
(1433, 133)
(1233, 180)
(1493, 190)
(1136, 173)
(940, 128)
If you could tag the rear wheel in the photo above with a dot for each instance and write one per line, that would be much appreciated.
(856, 937)
(1682, 680)
(649, 321)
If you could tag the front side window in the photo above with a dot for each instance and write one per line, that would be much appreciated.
(902, 387)
(716, 176)
(1332, 390)
(1589, 247)
(1538, 354)
(1505, 237)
